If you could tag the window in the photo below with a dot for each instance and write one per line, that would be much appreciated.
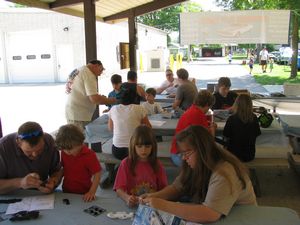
(17, 57)
(45, 56)
(30, 57)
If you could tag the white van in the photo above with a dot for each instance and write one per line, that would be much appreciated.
(285, 55)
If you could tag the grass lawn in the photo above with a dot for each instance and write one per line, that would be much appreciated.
(239, 56)
(279, 75)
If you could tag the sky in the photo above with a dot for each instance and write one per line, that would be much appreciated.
(4, 4)
(208, 5)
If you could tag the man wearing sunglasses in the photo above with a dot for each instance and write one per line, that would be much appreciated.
(28, 159)
(83, 96)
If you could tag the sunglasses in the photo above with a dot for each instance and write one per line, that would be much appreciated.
(30, 135)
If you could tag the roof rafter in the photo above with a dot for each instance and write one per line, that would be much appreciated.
(140, 10)
(64, 3)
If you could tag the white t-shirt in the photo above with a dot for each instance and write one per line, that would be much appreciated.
(152, 108)
(171, 89)
(263, 54)
(125, 119)
(78, 106)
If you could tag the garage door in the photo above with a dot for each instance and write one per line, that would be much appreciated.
(2, 71)
(30, 56)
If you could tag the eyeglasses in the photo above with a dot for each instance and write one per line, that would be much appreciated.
(30, 135)
(186, 154)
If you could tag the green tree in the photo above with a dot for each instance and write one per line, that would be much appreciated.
(293, 5)
(167, 19)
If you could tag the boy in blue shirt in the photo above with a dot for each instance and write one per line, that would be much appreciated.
(116, 81)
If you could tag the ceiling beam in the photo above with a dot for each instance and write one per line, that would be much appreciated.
(64, 3)
(72, 12)
(140, 10)
(31, 3)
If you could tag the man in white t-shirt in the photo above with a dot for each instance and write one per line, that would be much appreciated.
(169, 85)
(82, 89)
(263, 56)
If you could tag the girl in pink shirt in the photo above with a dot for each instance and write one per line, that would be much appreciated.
(141, 172)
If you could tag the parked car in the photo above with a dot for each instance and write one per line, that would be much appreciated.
(275, 55)
(285, 55)
(298, 60)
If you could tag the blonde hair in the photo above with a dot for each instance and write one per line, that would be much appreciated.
(69, 136)
(243, 108)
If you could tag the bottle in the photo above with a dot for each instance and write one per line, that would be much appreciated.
(210, 117)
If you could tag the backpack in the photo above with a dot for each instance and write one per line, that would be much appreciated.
(265, 119)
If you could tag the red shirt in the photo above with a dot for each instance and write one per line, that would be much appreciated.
(192, 116)
(78, 170)
(144, 181)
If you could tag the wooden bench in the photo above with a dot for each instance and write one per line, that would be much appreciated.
(110, 159)
(164, 156)
(267, 162)
(111, 164)
(294, 161)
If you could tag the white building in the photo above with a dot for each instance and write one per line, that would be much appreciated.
(43, 46)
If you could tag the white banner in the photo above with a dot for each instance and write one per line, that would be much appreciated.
(241, 27)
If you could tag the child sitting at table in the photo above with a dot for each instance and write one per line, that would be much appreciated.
(141, 172)
(224, 98)
(116, 81)
(81, 168)
(195, 115)
(241, 129)
(150, 106)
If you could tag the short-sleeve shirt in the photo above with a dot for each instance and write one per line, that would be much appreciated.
(132, 86)
(224, 193)
(172, 89)
(241, 137)
(264, 54)
(186, 93)
(152, 108)
(78, 106)
(113, 94)
(193, 116)
(15, 164)
(79, 170)
(224, 102)
(125, 119)
(145, 180)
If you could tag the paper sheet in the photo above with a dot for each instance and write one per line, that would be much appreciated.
(157, 123)
(32, 203)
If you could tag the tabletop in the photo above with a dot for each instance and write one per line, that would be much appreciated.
(163, 98)
(272, 137)
(73, 214)
(167, 128)
(290, 124)
(97, 130)
(290, 104)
